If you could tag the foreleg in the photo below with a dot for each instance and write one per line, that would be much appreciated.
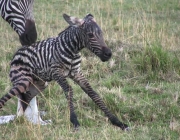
(61, 80)
(27, 104)
(84, 84)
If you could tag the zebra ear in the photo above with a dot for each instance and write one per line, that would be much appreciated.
(89, 17)
(73, 21)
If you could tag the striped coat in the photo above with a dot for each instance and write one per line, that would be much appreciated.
(58, 59)
(19, 15)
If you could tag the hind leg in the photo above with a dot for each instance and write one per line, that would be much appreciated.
(24, 100)
(28, 104)
(18, 88)
(14, 91)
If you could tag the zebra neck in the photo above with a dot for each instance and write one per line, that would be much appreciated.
(71, 41)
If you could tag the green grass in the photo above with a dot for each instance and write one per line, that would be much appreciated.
(140, 83)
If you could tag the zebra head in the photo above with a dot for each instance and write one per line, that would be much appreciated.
(93, 35)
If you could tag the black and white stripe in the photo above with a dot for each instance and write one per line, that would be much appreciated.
(58, 58)
(19, 14)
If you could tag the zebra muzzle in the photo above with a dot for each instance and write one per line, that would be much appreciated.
(106, 54)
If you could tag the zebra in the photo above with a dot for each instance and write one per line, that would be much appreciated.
(58, 58)
(19, 15)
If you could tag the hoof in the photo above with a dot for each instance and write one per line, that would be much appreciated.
(76, 128)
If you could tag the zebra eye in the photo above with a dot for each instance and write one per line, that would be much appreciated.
(90, 35)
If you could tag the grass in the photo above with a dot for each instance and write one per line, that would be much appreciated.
(140, 84)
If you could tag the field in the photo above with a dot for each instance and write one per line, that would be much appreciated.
(140, 83)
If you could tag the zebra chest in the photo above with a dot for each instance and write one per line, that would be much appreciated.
(69, 68)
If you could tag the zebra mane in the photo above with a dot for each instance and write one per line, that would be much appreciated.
(89, 17)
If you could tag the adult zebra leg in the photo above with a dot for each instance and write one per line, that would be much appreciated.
(84, 84)
(61, 80)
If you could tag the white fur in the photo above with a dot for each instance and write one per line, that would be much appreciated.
(6, 119)
(31, 114)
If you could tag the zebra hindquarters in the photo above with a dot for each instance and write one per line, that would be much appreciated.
(84, 84)
(18, 88)
(35, 88)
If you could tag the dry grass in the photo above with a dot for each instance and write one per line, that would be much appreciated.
(130, 27)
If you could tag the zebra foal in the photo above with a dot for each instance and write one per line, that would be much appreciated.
(57, 59)
(19, 15)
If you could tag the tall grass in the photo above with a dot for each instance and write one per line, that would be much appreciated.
(156, 62)
(140, 84)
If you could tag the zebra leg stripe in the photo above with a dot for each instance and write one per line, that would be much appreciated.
(69, 96)
(73, 117)
(17, 89)
(84, 84)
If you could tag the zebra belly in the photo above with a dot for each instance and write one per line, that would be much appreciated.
(42, 75)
